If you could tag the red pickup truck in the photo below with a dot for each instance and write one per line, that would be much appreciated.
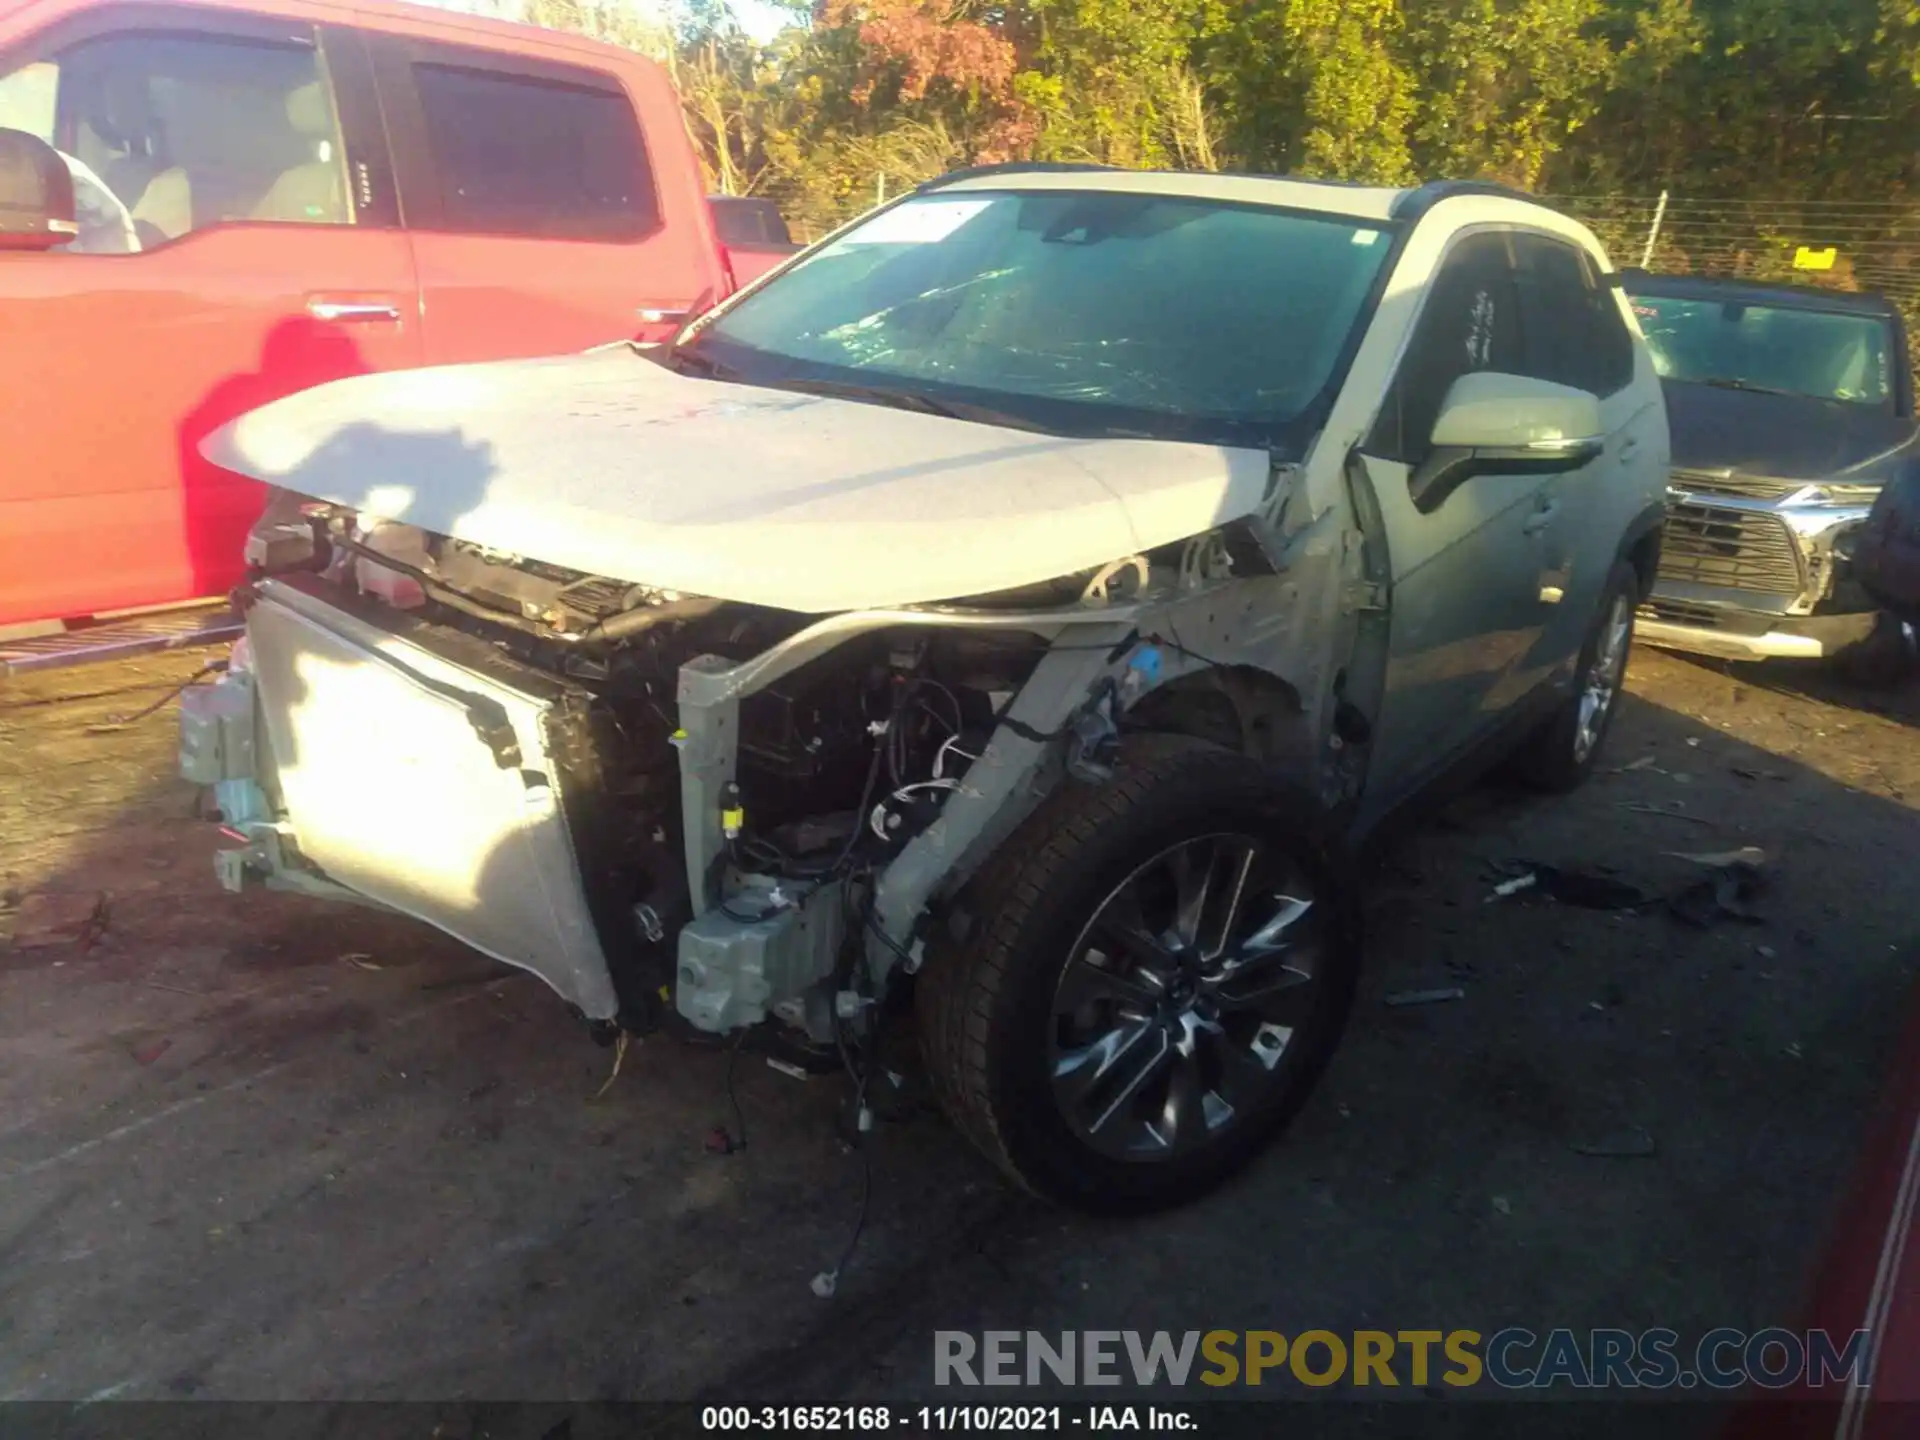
(269, 194)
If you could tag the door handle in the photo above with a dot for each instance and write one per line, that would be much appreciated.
(353, 310)
(1628, 449)
(1541, 518)
(650, 316)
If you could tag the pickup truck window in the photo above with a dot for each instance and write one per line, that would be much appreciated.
(1077, 311)
(1786, 350)
(524, 155)
(745, 220)
(170, 133)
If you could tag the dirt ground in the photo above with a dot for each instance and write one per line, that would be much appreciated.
(272, 1149)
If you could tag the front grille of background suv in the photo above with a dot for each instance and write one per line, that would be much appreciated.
(1735, 549)
(1721, 482)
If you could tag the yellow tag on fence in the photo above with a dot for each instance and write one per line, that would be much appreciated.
(1807, 258)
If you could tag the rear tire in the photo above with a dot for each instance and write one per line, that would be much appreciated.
(1562, 753)
(1081, 1036)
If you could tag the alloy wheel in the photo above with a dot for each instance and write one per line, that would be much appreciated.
(1183, 995)
(1600, 686)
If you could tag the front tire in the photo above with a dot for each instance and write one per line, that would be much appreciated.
(1157, 971)
(1562, 753)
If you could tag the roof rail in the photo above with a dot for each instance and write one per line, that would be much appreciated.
(1414, 203)
(1011, 167)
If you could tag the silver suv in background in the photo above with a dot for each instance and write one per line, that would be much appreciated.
(1790, 407)
(1025, 597)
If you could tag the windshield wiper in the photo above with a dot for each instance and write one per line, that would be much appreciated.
(917, 401)
(1752, 389)
(683, 361)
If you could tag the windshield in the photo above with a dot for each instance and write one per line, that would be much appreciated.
(1765, 347)
(1079, 312)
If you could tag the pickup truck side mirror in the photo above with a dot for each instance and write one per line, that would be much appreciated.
(1495, 424)
(36, 194)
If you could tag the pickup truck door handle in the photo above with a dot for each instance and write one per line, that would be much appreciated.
(353, 310)
(1541, 517)
(1629, 448)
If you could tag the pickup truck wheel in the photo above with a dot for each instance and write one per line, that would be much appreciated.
(1158, 969)
(1887, 657)
(1562, 752)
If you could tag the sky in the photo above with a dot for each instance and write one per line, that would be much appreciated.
(759, 18)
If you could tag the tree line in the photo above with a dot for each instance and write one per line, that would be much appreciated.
(1808, 102)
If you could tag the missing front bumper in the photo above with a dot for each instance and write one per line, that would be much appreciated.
(389, 789)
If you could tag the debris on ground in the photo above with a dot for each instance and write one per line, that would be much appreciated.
(361, 961)
(1503, 1205)
(1514, 886)
(1726, 894)
(1746, 855)
(1645, 762)
(59, 917)
(1586, 889)
(1632, 1143)
(1425, 997)
(1735, 880)
(1641, 807)
(619, 1055)
(151, 1051)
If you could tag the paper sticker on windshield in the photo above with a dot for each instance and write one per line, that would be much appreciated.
(918, 222)
(1365, 237)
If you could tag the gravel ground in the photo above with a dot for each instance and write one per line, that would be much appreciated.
(273, 1149)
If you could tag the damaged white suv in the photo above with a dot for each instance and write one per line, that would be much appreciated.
(1031, 590)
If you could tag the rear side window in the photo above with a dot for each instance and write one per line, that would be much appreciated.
(1573, 331)
(527, 155)
(1469, 323)
(742, 221)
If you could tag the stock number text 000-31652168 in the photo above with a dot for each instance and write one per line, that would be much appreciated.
(853, 1419)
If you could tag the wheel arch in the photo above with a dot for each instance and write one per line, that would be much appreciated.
(1238, 707)
(1640, 547)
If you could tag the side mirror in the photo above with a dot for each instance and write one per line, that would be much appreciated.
(1495, 424)
(36, 194)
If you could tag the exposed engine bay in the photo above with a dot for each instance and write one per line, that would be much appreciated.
(760, 804)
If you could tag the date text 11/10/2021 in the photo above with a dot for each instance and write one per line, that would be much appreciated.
(932, 1419)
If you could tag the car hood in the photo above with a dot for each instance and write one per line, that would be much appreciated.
(612, 465)
(1790, 437)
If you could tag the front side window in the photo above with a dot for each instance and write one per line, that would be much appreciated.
(1769, 348)
(1075, 311)
(168, 133)
(1469, 323)
(1574, 333)
(520, 155)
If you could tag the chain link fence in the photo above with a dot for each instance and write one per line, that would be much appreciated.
(1848, 245)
